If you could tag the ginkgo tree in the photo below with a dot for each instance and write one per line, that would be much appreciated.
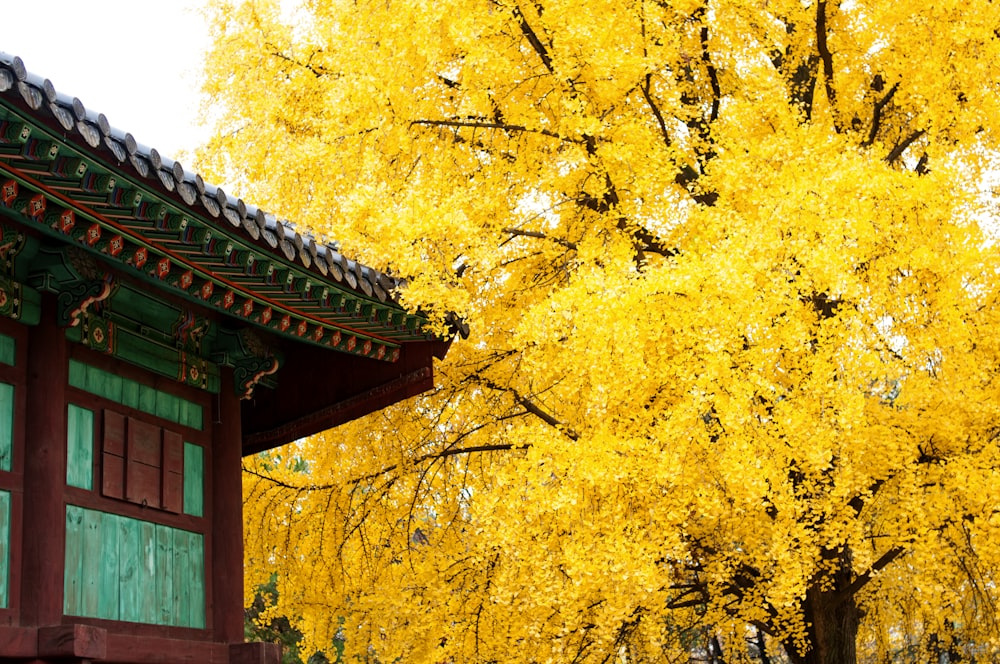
(730, 389)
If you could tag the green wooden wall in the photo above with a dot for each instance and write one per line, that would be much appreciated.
(133, 394)
(6, 426)
(194, 480)
(79, 447)
(7, 349)
(119, 568)
(4, 548)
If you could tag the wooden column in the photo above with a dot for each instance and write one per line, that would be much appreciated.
(44, 534)
(227, 515)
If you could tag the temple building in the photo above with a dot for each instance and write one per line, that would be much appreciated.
(153, 331)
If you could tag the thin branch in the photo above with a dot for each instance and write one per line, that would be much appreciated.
(541, 236)
(483, 124)
(647, 95)
(898, 151)
(531, 407)
(533, 39)
(877, 115)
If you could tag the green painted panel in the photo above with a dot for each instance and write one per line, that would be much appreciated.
(164, 575)
(6, 426)
(128, 569)
(130, 394)
(108, 599)
(135, 395)
(194, 480)
(8, 350)
(182, 579)
(73, 570)
(93, 550)
(191, 415)
(196, 580)
(148, 606)
(4, 548)
(168, 407)
(79, 447)
(119, 568)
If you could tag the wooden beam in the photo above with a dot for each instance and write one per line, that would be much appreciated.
(226, 514)
(44, 533)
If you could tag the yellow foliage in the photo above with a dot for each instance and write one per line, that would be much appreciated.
(733, 375)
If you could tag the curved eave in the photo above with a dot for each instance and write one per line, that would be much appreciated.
(73, 176)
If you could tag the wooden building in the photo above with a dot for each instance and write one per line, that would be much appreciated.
(154, 330)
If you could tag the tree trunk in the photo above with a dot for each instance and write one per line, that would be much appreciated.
(831, 617)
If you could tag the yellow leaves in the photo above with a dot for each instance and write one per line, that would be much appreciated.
(669, 399)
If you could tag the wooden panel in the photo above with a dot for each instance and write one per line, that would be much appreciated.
(196, 555)
(194, 480)
(173, 452)
(8, 349)
(182, 579)
(108, 600)
(92, 559)
(73, 569)
(119, 568)
(114, 433)
(165, 575)
(134, 394)
(142, 484)
(168, 407)
(113, 476)
(6, 426)
(4, 549)
(143, 442)
(148, 606)
(128, 569)
(79, 447)
(172, 499)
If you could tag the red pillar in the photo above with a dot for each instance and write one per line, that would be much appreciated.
(227, 515)
(44, 472)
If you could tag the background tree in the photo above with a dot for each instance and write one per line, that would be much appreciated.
(731, 388)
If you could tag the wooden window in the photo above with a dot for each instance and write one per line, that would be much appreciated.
(149, 465)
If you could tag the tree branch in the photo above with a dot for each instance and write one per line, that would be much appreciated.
(827, 58)
(530, 406)
(484, 124)
(862, 580)
(898, 151)
(877, 115)
(541, 236)
(536, 43)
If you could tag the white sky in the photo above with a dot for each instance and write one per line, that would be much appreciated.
(136, 61)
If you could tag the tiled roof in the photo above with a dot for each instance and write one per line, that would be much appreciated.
(203, 243)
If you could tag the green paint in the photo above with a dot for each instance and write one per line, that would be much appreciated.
(165, 575)
(73, 571)
(6, 426)
(194, 480)
(128, 569)
(119, 568)
(4, 547)
(79, 447)
(135, 395)
(109, 590)
(7, 349)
